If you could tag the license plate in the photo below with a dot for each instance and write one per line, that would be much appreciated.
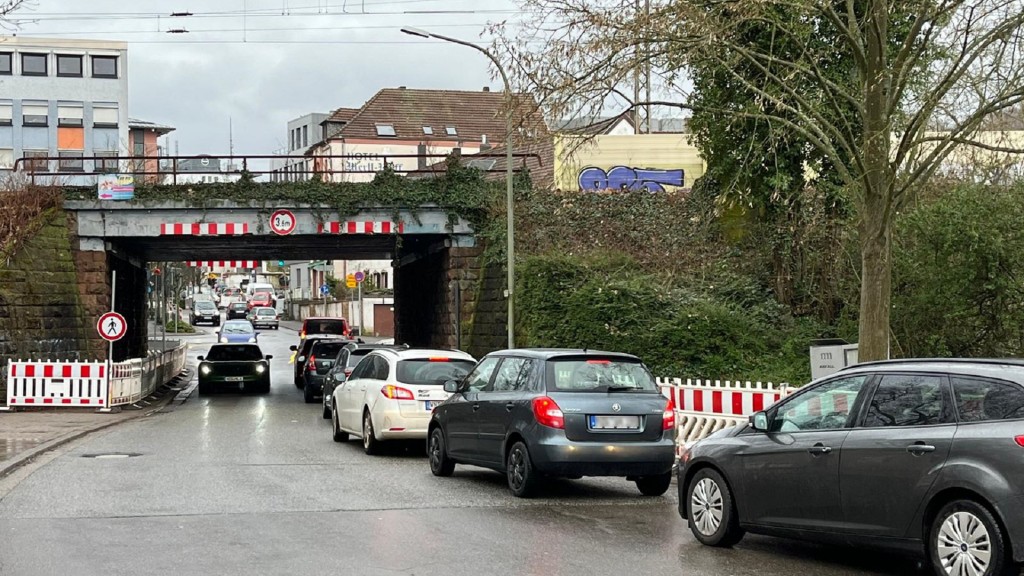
(614, 422)
(234, 378)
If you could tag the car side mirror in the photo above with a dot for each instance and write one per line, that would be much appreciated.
(269, 357)
(759, 421)
(339, 377)
(451, 386)
(293, 348)
(200, 358)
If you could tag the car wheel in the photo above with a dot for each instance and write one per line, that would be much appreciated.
(339, 435)
(654, 485)
(308, 394)
(522, 478)
(205, 388)
(966, 539)
(440, 463)
(299, 382)
(264, 387)
(711, 510)
(327, 412)
(370, 444)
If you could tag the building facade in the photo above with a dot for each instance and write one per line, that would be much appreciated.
(65, 99)
(303, 132)
(143, 145)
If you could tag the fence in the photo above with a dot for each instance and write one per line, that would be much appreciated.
(707, 406)
(88, 384)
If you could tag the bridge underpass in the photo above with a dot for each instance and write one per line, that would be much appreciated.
(438, 271)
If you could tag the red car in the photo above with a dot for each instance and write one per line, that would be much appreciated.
(261, 299)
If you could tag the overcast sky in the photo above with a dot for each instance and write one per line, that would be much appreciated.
(283, 59)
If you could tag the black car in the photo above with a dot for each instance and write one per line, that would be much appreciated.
(204, 311)
(320, 360)
(532, 413)
(347, 359)
(238, 310)
(301, 355)
(924, 456)
(234, 365)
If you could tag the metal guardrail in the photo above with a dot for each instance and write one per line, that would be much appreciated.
(133, 380)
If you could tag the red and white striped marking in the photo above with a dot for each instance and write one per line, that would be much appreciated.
(726, 399)
(361, 227)
(225, 264)
(57, 384)
(204, 229)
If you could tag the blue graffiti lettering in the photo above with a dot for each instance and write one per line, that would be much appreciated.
(626, 178)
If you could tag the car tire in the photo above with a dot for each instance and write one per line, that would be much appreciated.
(326, 412)
(712, 495)
(339, 435)
(654, 485)
(522, 478)
(370, 444)
(205, 388)
(437, 452)
(264, 387)
(308, 394)
(946, 539)
(300, 383)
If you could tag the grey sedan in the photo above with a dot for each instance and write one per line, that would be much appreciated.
(925, 456)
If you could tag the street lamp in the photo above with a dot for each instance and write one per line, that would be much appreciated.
(510, 233)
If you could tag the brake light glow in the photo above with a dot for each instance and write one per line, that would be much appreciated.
(348, 372)
(602, 362)
(1020, 441)
(393, 392)
(547, 413)
(311, 365)
(438, 359)
(668, 417)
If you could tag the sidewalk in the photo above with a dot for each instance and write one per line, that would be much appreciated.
(29, 433)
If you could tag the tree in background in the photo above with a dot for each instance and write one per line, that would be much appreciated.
(910, 92)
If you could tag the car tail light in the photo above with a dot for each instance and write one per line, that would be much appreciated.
(668, 417)
(1020, 441)
(348, 372)
(311, 365)
(396, 393)
(438, 359)
(547, 413)
(602, 362)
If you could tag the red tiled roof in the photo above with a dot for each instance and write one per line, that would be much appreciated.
(472, 114)
(342, 115)
(537, 156)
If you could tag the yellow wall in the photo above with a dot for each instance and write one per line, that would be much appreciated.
(637, 151)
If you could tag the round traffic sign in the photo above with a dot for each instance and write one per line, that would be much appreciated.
(360, 276)
(112, 326)
(282, 222)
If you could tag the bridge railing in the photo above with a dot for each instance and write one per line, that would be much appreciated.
(171, 169)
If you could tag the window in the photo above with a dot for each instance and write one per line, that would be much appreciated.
(6, 63)
(907, 400)
(385, 130)
(513, 375)
(481, 375)
(451, 131)
(71, 161)
(381, 369)
(824, 407)
(980, 400)
(6, 113)
(593, 374)
(426, 372)
(305, 136)
(6, 158)
(69, 114)
(105, 166)
(69, 65)
(34, 114)
(104, 116)
(70, 138)
(104, 66)
(427, 130)
(34, 163)
(33, 64)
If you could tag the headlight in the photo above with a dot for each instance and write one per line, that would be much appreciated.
(224, 340)
(260, 368)
(204, 369)
(252, 340)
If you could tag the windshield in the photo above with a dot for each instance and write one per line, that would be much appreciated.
(235, 352)
(427, 371)
(205, 305)
(328, 326)
(599, 374)
(238, 328)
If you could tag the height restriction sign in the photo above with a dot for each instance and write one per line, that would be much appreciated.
(282, 222)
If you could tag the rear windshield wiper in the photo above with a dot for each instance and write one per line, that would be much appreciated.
(623, 388)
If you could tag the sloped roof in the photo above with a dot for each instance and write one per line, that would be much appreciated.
(342, 115)
(472, 114)
(540, 162)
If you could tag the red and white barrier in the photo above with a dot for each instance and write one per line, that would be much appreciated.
(204, 228)
(721, 397)
(361, 227)
(57, 384)
(226, 264)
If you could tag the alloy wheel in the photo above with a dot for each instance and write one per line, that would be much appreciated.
(706, 506)
(964, 545)
(435, 452)
(367, 430)
(516, 469)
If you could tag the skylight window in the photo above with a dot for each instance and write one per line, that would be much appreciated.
(385, 130)
(451, 131)
(428, 130)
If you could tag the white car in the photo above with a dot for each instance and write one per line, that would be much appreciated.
(391, 394)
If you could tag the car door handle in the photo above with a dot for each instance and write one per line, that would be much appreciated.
(819, 449)
(920, 448)
(476, 407)
(510, 406)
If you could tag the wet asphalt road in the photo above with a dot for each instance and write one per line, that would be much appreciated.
(247, 484)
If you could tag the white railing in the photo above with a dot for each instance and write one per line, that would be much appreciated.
(707, 406)
(133, 380)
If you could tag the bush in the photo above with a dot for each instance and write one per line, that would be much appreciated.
(182, 326)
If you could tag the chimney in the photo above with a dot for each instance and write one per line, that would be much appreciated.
(484, 146)
(487, 88)
(401, 87)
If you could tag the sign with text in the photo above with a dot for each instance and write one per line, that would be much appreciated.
(115, 187)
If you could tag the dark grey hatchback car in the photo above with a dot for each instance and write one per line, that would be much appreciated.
(532, 413)
(925, 456)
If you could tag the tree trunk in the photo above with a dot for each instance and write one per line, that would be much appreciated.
(875, 287)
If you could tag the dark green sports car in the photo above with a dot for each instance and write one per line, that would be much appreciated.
(234, 365)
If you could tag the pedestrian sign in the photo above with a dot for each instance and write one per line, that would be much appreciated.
(112, 326)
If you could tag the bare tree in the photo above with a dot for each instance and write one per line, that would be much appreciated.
(9, 6)
(910, 92)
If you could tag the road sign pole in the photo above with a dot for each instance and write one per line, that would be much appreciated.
(110, 344)
(361, 325)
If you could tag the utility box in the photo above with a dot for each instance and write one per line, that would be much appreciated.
(831, 355)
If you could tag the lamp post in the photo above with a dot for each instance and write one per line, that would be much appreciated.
(510, 232)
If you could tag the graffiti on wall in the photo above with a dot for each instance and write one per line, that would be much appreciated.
(625, 178)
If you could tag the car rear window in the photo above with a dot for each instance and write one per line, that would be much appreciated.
(598, 374)
(328, 350)
(238, 306)
(238, 353)
(266, 312)
(979, 400)
(324, 326)
(427, 371)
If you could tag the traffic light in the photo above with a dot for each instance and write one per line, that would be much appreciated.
(280, 263)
